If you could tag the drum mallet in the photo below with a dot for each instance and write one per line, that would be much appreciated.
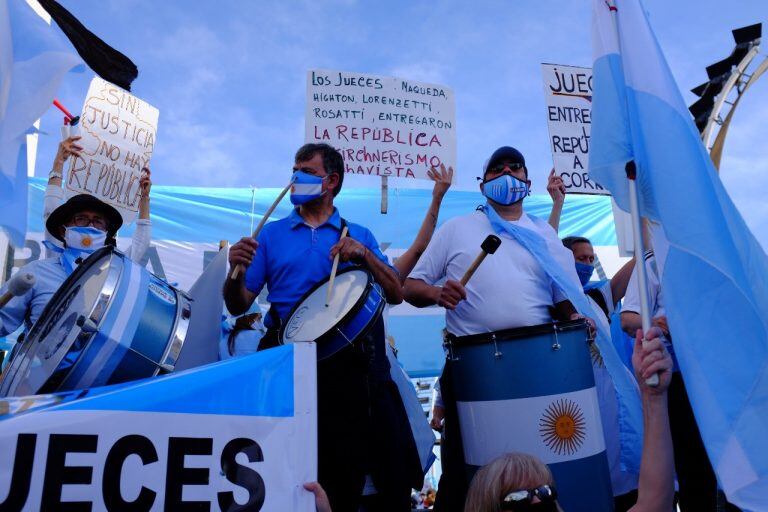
(263, 221)
(333, 271)
(489, 246)
(18, 285)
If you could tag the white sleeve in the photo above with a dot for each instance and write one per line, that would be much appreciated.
(54, 197)
(433, 264)
(631, 300)
(142, 236)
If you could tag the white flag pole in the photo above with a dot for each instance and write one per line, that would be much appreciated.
(642, 275)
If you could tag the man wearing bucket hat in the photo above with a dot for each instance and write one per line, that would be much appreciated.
(83, 224)
(511, 289)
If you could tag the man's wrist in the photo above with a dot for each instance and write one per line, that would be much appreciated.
(56, 173)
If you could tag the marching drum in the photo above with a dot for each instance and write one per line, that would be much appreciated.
(111, 321)
(532, 390)
(355, 305)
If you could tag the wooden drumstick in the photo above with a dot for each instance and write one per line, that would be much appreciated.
(333, 270)
(18, 285)
(263, 221)
(489, 246)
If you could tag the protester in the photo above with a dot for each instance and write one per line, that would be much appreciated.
(83, 224)
(516, 481)
(354, 385)
(241, 335)
(486, 305)
(54, 197)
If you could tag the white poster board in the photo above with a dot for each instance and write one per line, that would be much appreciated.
(383, 126)
(118, 133)
(568, 97)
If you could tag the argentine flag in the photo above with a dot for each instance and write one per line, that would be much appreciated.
(713, 272)
(236, 435)
(34, 57)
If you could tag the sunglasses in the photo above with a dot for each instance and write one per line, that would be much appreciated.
(521, 501)
(500, 167)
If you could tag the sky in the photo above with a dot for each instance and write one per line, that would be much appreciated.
(229, 77)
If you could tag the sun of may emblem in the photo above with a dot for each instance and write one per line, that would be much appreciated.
(562, 427)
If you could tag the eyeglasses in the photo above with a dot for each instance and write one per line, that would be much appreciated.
(82, 221)
(498, 168)
(521, 501)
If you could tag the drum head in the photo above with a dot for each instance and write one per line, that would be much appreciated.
(311, 318)
(54, 342)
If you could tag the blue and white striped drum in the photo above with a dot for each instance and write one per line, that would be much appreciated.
(532, 390)
(356, 303)
(111, 321)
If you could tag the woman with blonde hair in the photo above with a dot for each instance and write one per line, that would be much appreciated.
(521, 482)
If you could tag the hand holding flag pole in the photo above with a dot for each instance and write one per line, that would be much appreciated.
(333, 271)
(263, 221)
(637, 238)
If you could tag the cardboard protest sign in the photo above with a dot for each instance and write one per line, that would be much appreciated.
(383, 126)
(236, 435)
(568, 96)
(118, 136)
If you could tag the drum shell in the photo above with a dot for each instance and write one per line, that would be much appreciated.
(351, 326)
(533, 391)
(134, 329)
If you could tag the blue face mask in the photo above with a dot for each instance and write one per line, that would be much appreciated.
(80, 243)
(306, 187)
(505, 189)
(585, 272)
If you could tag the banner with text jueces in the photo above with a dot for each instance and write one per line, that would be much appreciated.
(236, 435)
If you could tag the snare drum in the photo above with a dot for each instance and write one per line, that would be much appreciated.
(356, 303)
(111, 321)
(532, 390)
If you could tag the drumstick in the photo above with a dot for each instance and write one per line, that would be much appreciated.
(333, 270)
(489, 246)
(18, 285)
(263, 221)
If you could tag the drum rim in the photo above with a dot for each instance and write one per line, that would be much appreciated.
(516, 333)
(353, 311)
(9, 376)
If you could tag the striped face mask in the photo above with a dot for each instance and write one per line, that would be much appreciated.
(505, 189)
(306, 187)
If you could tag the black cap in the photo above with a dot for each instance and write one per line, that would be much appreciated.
(79, 203)
(504, 153)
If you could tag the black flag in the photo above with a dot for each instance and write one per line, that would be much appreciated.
(108, 63)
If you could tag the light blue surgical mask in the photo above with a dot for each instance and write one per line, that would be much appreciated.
(505, 189)
(306, 187)
(585, 272)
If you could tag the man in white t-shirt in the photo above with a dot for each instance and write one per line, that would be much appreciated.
(509, 290)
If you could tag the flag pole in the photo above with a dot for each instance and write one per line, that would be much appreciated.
(642, 275)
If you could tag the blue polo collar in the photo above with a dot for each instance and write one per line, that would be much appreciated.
(297, 220)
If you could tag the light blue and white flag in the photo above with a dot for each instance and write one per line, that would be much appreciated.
(34, 57)
(239, 434)
(714, 273)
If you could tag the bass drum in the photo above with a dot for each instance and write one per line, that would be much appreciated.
(111, 321)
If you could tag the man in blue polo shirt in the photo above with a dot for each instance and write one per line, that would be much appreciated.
(290, 256)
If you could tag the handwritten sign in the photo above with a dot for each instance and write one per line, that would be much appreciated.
(383, 126)
(118, 136)
(568, 96)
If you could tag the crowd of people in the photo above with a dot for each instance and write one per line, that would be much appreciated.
(366, 456)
